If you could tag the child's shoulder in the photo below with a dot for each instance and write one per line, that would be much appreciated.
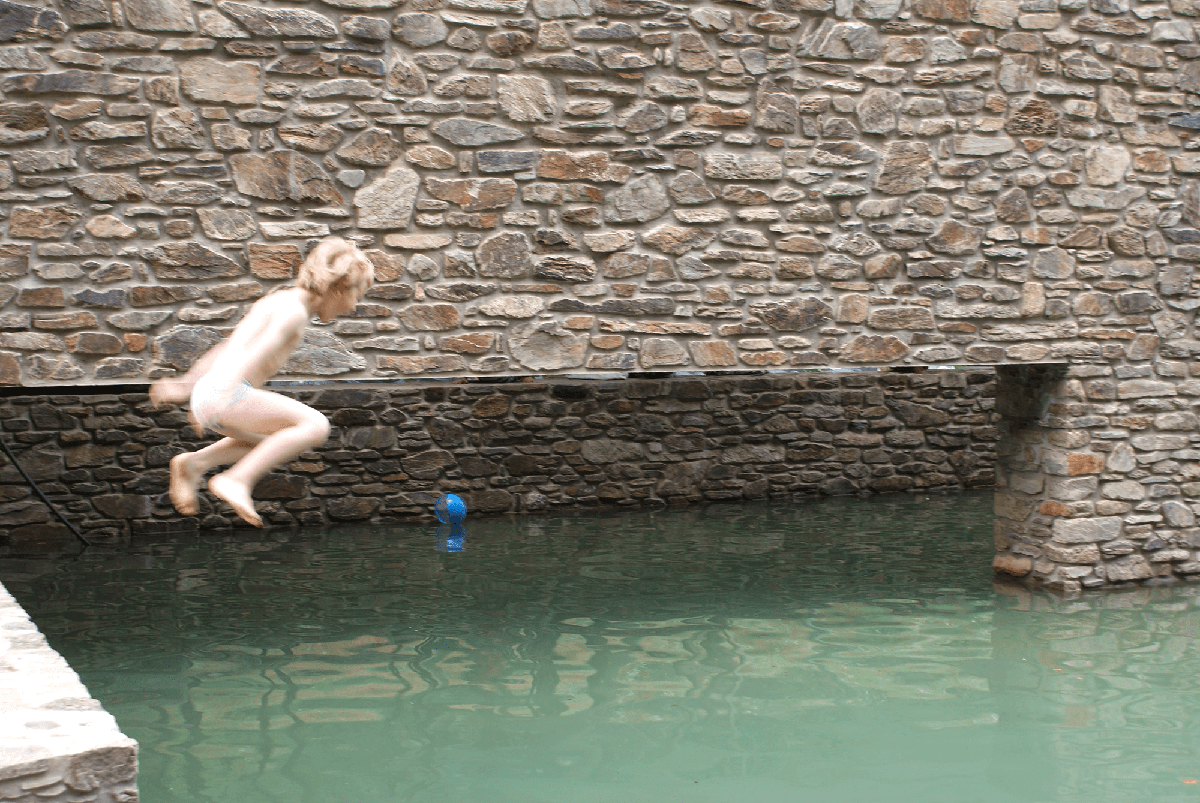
(279, 297)
(282, 304)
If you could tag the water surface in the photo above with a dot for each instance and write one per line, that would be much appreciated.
(843, 650)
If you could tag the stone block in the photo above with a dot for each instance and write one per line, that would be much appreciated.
(1012, 565)
(1129, 568)
(1071, 489)
(1012, 507)
(1128, 490)
(1086, 531)
(1085, 553)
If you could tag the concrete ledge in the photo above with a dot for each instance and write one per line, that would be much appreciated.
(56, 742)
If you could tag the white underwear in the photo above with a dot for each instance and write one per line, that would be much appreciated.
(213, 396)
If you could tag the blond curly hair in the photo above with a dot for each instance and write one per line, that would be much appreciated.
(336, 265)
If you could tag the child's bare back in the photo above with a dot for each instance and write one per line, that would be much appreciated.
(264, 339)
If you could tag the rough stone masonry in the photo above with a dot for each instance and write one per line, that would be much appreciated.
(512, 447)
(575, 186)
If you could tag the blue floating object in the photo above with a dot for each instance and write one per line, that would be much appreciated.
(450, 509)
(451, 538)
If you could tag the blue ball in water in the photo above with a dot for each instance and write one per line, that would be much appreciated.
(450, 509)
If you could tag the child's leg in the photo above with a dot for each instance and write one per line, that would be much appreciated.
(189, 467)
(286, 428)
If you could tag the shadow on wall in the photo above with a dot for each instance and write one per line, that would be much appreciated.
(518, 447)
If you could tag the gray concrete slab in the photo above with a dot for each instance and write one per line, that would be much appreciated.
(56, 742)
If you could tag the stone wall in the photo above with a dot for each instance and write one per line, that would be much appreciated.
(618, 186)
(574, 186)
(1098, 481)
(57, 745)
(517, 447)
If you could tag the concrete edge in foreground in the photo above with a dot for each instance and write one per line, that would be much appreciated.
(56, 742)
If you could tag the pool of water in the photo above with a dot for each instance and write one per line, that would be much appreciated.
(843, 650)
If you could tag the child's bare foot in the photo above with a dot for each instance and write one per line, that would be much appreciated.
(238, 497)
(185, 479)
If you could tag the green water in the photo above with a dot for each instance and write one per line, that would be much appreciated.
(843, 650)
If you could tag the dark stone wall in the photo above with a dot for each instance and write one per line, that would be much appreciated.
(522, 446)
(1024, 390)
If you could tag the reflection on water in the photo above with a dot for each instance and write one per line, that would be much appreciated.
(846, 650)
(451, 538)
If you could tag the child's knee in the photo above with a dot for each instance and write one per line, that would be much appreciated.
(317, 427)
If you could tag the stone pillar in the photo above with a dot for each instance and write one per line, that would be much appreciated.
(1096, 477)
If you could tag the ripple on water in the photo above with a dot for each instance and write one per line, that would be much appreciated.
(844, 650)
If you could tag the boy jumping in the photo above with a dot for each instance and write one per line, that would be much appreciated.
(262, 429)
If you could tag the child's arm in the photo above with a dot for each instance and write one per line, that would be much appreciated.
(176, 390)
(255, 350)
